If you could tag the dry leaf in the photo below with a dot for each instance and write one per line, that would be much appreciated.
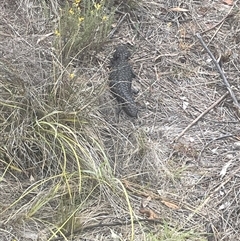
(177, 9)
(224, 206)
(115, 236)
(185, 105)
(225, 168)
(170, 205)
(125, 183)
(149, 213)
(32, 179)
(145, 201)
(228, 2)
(42, 37)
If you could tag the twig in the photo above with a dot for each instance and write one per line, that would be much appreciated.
(219, 23)
(200, 116)
(219, 70)
(117, 26)
(100, 224)
(216, 139)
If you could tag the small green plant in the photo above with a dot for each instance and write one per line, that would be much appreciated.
(170, 234)
(83, 26)
(142, 143)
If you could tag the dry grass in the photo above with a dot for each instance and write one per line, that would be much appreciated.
(69, 165)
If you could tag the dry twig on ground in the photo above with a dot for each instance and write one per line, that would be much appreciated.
(200, 116)
(225, 81)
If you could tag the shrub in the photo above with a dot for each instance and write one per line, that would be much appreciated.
(83, 26)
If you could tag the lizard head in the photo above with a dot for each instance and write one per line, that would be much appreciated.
(121, 53)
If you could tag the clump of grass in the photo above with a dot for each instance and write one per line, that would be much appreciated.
(50, 134)
(83, 26)
(51, 139)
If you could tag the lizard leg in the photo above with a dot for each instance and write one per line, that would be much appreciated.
(117, 112)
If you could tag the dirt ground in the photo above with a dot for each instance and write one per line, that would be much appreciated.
(194, 177)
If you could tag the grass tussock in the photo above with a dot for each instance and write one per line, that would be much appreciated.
(50, 136)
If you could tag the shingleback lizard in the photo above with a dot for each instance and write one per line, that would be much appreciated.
(121, 80)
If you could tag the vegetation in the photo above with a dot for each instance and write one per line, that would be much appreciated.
(50, 134)
(66, 169)
(83, 26)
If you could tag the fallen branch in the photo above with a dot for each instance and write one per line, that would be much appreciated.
(220, 71)
(200, 116)
(110, 224)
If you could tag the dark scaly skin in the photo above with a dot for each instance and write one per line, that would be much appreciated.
(121, 80)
